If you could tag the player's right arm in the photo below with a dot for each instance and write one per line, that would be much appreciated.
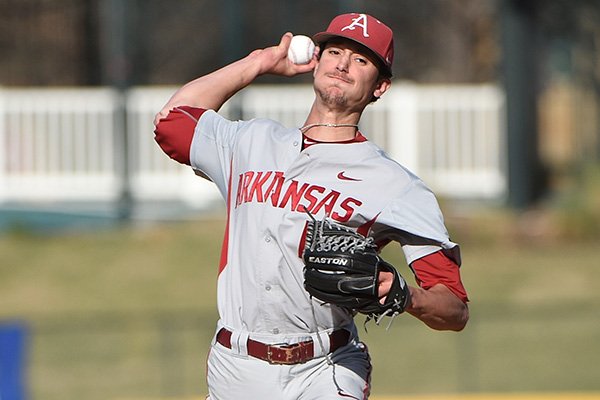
(213, 90)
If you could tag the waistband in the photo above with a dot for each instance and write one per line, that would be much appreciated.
(296, 353)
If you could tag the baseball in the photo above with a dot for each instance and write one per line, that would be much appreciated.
(301, 49)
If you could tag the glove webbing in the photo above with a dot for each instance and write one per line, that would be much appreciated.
(325, 236)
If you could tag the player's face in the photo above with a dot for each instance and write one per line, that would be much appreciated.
(347, 76)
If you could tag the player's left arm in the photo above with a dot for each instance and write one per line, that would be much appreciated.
(440, 300)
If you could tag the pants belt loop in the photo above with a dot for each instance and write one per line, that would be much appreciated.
(239, 342)
(243, 344)
(321, 343)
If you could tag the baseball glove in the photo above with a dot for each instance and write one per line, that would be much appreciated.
(342, 268)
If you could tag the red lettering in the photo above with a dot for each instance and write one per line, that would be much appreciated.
(247, 180)
(345, 205)
(274, 189)
(239, 196)
(268, 185)
(328, 202)
(256, 188)
(294, 194)
(312, 200)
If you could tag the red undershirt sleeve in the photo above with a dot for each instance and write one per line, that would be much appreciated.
(175, 132)
(438, 268)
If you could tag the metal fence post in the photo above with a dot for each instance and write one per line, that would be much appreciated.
(118, 67)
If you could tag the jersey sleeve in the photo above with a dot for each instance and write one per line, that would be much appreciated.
(201, 139)
(213, 146)
(174, 133)
(437, 268)
(414, 219)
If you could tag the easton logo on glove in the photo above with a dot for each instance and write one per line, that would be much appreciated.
(327, 260)
(342, 268)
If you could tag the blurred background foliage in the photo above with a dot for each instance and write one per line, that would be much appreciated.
(170, 43)
(157, 42)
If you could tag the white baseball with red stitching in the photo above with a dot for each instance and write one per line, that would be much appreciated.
(301, 49)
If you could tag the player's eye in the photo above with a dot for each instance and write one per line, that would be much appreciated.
(333, 51)
(361, 60)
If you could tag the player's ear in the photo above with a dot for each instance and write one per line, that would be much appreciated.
(383, 84)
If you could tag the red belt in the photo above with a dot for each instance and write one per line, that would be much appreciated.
(296, 353)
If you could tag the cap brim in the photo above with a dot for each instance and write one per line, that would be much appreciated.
(323, 37)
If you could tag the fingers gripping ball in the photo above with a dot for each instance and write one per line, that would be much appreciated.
(301, 49)
(342, 268)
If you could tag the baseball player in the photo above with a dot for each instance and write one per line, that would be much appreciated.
(273, 340)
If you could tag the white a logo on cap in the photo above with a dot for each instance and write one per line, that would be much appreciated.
(361, 22)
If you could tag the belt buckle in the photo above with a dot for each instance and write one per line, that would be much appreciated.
(288, 354)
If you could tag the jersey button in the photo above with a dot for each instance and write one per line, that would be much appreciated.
(268, 288)
(268, 239)
(275, 331)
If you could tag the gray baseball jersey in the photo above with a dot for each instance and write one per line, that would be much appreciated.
(269, 184)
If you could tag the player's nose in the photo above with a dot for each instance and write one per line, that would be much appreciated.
(343, 63)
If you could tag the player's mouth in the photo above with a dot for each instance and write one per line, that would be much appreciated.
(340, 77)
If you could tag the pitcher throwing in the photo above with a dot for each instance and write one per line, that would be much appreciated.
(301, 204)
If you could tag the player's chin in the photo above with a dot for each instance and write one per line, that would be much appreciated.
(333, 96)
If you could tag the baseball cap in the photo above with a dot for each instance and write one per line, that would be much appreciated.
(363, 29)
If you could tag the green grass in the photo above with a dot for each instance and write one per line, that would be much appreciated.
(129, 313)
(133, 269)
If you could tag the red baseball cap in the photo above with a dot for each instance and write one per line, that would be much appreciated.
(363, 29)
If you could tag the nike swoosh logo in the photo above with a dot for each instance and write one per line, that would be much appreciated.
(343, 177)
(309, 142)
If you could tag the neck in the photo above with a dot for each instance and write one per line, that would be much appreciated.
(328, 125)
(329, 132)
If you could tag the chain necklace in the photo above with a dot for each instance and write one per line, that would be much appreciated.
(329, 125)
